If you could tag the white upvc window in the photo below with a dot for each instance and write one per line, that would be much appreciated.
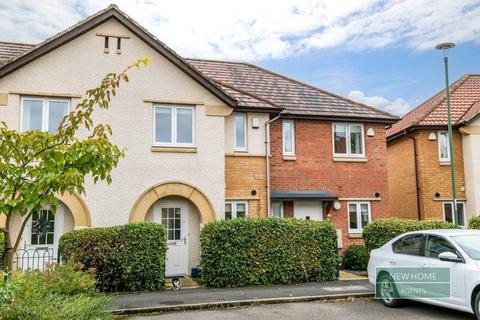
(277, 209)
(348, 139)
(288, 129)
(173, 126)
(359, 216)
(240, 131)
(236, 209)
(448, 213)
(43, 114)
(443, 147)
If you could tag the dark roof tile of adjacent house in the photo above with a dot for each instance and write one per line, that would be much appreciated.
(464, 103)
(10, 50)
(298, 99)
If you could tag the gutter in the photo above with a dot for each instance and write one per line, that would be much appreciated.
(267, 159)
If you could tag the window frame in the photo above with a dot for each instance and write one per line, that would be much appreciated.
(292, 122)
(281, 209)
(173, 122)
(233, 204)
(453, 212)
(443, 160)
(348, 153)
(42, 245)
(45, 109)
(245, 134)
(358, 204)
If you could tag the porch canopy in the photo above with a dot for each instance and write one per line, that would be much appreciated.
(305, 195)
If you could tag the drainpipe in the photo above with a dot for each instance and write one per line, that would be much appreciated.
(415, 156)
(267, 159)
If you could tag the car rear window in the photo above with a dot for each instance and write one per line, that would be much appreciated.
(410, 244)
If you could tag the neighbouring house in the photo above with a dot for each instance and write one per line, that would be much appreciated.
(419, 156)
(197, 134)
(327, 153)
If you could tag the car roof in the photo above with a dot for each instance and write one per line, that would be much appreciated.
(447, 232)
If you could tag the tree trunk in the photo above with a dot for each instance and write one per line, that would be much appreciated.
(10, 246)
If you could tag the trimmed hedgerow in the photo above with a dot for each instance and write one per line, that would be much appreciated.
(380, 231)
(124, 258)
(474, 223)
(264, 251)
(355, 258)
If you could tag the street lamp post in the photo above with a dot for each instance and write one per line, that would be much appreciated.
(444, 47)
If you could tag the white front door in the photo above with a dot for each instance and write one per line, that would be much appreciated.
(39, 244)
(308, 210)
(174, 216)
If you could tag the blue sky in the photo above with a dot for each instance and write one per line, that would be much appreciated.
(379, 52)
(392, 73)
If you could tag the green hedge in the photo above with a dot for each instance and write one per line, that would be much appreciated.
(380, 231)
(474, 223)
(124, 258)
(355, 258)
(264, 251)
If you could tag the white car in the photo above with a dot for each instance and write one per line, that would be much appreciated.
(457, 249)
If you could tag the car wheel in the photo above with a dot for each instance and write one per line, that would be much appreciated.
(388, 291)
(476, 306)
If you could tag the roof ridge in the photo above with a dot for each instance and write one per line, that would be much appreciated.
(249, 94)
(319, 89)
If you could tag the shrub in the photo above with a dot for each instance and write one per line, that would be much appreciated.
(355, 258)
(61, 292)
(474, 223)
(380, 231)
(264, 251)
(124, 258)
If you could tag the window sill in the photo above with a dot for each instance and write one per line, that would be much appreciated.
(174, 149)
(289, 157)
(355, 235)
(444, 163)
(350, 159)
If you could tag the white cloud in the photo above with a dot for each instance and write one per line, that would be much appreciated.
(252, 29)
(397, 106)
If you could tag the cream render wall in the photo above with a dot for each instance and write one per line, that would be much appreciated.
(80, 65)
(471, 162)
(255, 137)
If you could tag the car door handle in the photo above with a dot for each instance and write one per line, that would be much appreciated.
(426, 266)
(393, 261)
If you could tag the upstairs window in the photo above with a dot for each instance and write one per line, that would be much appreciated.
(240, 132)
(43, 114)
(288, 137)
(443, 146)
(235, 209)
(348, 140)
(174, 126)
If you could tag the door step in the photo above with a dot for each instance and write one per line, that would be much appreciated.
(185, 283)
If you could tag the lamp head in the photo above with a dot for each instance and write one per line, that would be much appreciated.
(445, 46)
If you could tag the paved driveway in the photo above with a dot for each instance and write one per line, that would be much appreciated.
(358, 310)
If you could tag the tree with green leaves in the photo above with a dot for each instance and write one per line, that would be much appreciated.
(36, 166)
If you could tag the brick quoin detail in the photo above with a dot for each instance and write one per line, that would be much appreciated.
(314, 169)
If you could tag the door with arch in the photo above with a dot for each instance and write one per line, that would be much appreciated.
(173, 214)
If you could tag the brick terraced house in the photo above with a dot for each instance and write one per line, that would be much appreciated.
(206, 140)
(419, 156)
